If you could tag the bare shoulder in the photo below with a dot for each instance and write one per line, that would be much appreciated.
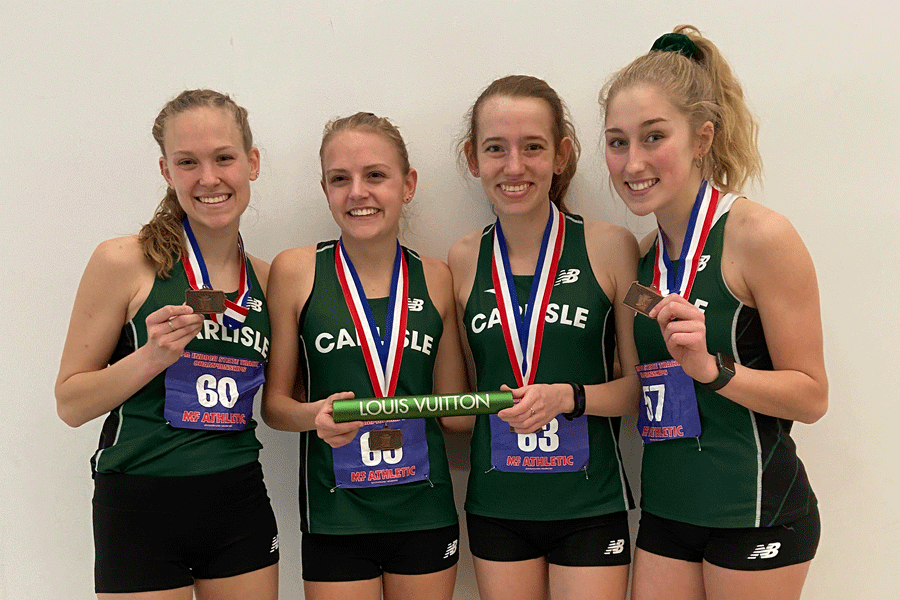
(124, 253)
(762, 249)
(439, 283)
(464, 251)
(294, 260)
(646, 243)
(463, 260)
(755, 228)
(436, 271)
(261, 269)
(121, 261)
(119, 275)
(607, 236)
(613, 254)
(293, 271)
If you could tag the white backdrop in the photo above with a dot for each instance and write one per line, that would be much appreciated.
(83, 81)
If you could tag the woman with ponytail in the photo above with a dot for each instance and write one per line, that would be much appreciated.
(180, 507)
(732, 353)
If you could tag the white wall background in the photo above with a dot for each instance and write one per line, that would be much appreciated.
(81, 82)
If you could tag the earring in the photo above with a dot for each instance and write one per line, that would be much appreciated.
(474, 172)
(698, 162)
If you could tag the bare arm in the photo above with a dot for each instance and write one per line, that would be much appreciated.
(290, 282)
(766, 265)
(449, 366)
(115, 283)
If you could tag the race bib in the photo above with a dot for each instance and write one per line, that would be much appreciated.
(368, 461)
(561, 446)
(212, 392)
(669, 408)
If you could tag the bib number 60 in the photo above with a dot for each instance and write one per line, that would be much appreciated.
(211, 391)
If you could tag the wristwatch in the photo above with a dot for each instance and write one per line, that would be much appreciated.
(725, 364)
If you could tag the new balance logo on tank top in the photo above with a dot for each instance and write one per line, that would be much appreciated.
(136, 437)
(353, 489)
(538, 474)
(743, 470)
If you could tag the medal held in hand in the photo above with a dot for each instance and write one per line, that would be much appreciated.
(201, 297)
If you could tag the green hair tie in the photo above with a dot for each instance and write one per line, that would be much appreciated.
(677, 42)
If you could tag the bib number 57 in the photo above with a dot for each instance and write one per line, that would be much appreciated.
(660, 391)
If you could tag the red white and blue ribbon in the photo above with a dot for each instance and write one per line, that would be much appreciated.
(524, 334)
(382, 355)
(665, 278)
(198, 277)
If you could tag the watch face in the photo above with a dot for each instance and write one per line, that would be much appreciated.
(725, 363)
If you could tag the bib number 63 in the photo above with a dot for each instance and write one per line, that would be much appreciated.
(547, 442)
(211, 391)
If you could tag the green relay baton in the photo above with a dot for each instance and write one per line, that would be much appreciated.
(414, 407)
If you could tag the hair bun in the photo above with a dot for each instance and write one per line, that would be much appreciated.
(677, 42)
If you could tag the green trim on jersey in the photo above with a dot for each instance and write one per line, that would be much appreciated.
(136, 439)
(579, 345)
(743, 470)
(334, 363)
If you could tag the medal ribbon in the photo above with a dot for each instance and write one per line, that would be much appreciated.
(382, 356)
(702, 216)
(524, 334)
(198, 277)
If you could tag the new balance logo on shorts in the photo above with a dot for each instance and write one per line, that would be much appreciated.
(274, 544)
(567, 276)
(615, 547)
(770, 551)
(451, 548)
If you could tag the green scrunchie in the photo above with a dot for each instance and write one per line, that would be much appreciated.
(677, 42)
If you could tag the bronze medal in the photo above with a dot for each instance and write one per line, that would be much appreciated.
(641, 298)
(385, 439)
(205, 301)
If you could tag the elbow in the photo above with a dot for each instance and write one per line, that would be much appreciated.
(817, 411)
(818, 406)
(67, 414)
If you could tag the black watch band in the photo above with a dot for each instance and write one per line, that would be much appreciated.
(580, 401)
(725, 364)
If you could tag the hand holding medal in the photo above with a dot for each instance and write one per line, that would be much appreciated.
(169, 330)
(683, 327)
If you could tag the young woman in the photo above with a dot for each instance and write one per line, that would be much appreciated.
(547, 497)
(178, 454)
(727, 508)
(373, 521)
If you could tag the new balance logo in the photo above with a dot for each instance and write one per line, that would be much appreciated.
(703, 260)
(254, 304)
(770, 551)
(451, 548)
(415, 304)
(274, 544)
(615, 547)
(567, 276)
